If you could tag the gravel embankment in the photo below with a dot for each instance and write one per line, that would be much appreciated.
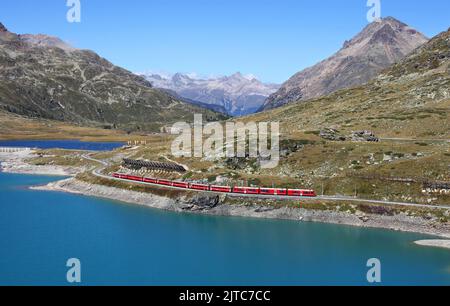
(16, 163)
(434, 243)
(216, 205)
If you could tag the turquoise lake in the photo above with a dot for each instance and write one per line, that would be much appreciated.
(120, 244)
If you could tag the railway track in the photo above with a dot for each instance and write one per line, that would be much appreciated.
(97, 172)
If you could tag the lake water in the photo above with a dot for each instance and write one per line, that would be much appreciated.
(62, 144)
(121, 244)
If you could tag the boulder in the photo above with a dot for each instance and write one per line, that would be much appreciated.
(364, 136)
(332, 134)
(360, 136)
(205, 201)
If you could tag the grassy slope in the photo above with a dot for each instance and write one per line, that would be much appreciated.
(410, 100)
(82, 88)
(18, 127)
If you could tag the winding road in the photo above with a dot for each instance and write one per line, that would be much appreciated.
(97, 172)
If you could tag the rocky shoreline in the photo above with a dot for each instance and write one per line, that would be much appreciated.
(218, 205)
(445, 244)
(16, 163)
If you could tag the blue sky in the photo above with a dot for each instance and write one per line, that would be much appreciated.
(271, 39)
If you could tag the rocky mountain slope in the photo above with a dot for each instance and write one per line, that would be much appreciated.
(42, 40)
(409, 99)
(42, 77)
(378, 46)
(238, 94)
(389, 138)
(213, 107)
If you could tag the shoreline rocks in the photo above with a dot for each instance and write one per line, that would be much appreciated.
(215, 205)
(445, 244)
(219, 207)
(15, 162)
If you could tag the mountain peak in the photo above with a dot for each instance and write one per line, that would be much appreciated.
(386, 31)
(42, 40)
(379, 45)
(180, 76)
(181, 79)
(236, 76)
(238, 94)
(3, 29)
(393, 20)
(385, 34)
(241, 77)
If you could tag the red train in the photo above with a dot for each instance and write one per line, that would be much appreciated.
(273, 191)
(246, 190)
(225, 189)
(221, 189)
(200, 187)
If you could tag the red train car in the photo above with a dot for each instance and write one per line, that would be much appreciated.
(301, 193)
(253, 190)
(268, 191)
(225, 189)
(199, 187)
(180, 185)
(282, 192)
(238, 190)
(294, 192)
(273, 191)
(150, 180)
(246, 190)
(134, 178)
(117, 175)
(165, 182)
(309, 193)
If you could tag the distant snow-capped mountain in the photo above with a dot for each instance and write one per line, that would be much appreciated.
(238, 94)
